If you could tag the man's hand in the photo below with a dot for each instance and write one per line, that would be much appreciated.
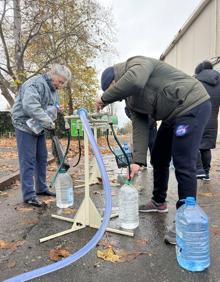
(134, 170)
(99, 104)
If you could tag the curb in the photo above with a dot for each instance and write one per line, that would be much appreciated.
(6, 181)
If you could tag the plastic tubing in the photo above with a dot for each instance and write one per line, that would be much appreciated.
(98, 235)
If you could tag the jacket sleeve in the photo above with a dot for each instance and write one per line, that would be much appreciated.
(133, 80)
(31, 102)
(140, 124)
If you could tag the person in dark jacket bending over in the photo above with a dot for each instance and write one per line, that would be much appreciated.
(152, 87)
(211, 81)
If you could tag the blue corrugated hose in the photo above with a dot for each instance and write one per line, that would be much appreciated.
(98, 235)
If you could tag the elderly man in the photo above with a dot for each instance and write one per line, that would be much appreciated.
(35, 96)
(152, 87)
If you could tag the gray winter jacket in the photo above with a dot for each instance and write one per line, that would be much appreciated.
(152, 87)
(35, 95)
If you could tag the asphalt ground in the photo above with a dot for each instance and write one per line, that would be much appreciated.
(145, 257)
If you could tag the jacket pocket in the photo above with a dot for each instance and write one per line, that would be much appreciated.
(167, 101)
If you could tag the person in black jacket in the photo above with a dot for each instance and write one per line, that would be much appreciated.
(211, 81)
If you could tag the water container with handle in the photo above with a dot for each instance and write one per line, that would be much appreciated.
(128, 206)
(192, 236)
(64, 190)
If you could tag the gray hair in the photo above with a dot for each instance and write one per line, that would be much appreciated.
(61, 70)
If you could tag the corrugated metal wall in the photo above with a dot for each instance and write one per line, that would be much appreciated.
(200, 41)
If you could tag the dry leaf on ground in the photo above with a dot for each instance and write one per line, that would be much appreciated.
(10, 245)
(117, 255)
(29, 221)
(3, 194)
(68, 211)
(108, 255)
(215, 231)
(49, 201)
(58, 253)
(24, 209)
(128, 256)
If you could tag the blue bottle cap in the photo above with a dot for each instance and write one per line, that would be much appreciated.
(191, 201)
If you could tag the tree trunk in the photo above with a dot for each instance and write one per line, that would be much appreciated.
(4, 90)
(70, 100)
(19, 63)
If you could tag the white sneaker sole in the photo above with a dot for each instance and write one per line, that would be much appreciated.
(160, 211)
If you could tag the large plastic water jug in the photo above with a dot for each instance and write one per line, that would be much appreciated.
(192, 236)
(128, 206)
(64, 190)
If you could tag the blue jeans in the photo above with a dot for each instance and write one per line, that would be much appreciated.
(32, 154)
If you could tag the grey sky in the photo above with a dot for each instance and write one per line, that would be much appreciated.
(146, 27)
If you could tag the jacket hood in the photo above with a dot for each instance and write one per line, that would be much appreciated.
(209, 76)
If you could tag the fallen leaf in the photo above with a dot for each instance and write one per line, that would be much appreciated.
(29, 221)
(68, 211)
(58, 253)
(128, 256)
(10, 245)
(49, 201)
(215, 231)
(3, 194)
(108, 255)
(24, 209)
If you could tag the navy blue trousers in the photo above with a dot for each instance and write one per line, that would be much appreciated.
(179, 138)
(32, 153)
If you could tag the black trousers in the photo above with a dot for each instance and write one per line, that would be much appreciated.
(204, 160)
(179, 138)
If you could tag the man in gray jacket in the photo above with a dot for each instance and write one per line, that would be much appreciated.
(152, 87)
(35, 96)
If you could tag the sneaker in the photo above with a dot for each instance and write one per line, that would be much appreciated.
(153, 206)
(170, 236)
(206, 178)
(200, 176)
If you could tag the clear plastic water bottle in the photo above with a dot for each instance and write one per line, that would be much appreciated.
(128, 206)
(64, 190)
(192, 236)
(138, 183)
(35, 125)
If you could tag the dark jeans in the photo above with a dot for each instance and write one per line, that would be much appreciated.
(32, 153)
(204, 160)
(179, 138)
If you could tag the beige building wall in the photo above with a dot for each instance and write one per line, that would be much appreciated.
(199, 38)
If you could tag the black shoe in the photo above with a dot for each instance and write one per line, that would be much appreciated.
(47, 193)
(34, 202)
